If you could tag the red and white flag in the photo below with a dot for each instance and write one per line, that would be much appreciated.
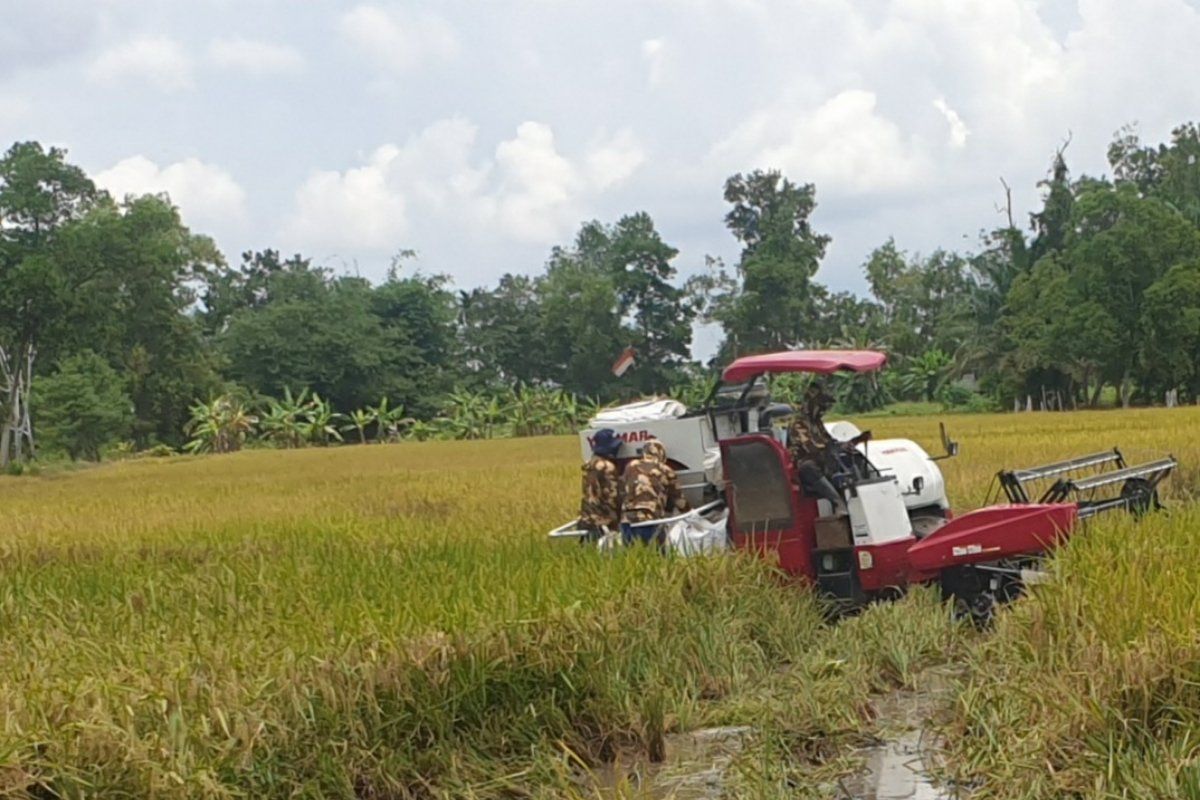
(623, 362)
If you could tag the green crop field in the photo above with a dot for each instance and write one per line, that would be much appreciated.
(388, 621)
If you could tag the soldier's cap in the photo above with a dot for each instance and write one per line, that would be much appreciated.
(816, 394)
(655, 451)
(606, 443)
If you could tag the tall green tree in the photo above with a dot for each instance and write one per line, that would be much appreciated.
(1120, 244)
(501, 332)
(1169, 171)
(656, 315)
(1170, 348)
(581, 328)
(40, 193)
(925, 302)
(82, 407)
(769, 304)
(143, 265)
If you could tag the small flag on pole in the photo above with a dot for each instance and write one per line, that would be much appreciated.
(623, 362)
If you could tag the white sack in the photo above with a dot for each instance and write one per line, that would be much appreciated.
(638, 412)
(694, 534)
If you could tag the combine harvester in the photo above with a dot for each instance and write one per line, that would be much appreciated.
(734, 467)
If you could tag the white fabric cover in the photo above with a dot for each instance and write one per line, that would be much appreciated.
(694, 535)
(842, 430)
(637, 412)
(712, 466)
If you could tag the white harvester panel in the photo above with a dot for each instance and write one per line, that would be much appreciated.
(689, 441)
(877, 513)
(906, 460)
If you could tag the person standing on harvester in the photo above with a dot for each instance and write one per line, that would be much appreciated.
(649, 490)
(600, 508)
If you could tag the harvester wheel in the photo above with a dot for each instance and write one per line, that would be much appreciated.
(978, 608)
(1140, 496)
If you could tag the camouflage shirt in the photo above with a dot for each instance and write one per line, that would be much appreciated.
(601, 503)
(650, 490)
(808, 440)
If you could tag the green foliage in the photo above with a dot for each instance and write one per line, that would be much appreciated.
(923, 376)
(283, 422)
(359, 420)
(82, 407)
(1096, 297)
(770, 303)
(219, 426)
(1170, 350)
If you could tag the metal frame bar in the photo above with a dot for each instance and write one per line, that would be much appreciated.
(566, 531)
(1014, 482)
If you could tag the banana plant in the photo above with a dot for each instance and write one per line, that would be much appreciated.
(319, 421)
(219, 426)
(390, 422)
(284, 421)
(359, 420)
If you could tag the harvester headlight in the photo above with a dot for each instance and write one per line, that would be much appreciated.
(865, 561)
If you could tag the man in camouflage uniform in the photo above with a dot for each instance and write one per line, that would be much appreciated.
(812, 448)
(649, 490)
(600, 508)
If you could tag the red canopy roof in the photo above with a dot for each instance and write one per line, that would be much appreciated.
(822, 361)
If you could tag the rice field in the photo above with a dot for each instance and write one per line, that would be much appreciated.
(389, 622)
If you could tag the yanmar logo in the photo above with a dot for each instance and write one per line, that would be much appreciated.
(628, 437)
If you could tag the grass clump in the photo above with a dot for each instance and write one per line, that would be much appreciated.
(1091, 687)
(390, 622)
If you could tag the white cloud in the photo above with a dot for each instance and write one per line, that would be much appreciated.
(654, 53)
(610, 163)
(845, 145)
(357, 207)
(206, 194)
(527, 191)
(958, 129)
(13, 107)
(255, 57)
(158, 60)
(537, 188)
(398, 38)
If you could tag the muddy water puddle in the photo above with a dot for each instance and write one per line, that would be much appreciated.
(898, 767)
(698, 764)
(694, 767)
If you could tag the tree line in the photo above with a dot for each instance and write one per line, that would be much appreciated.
(119, 324)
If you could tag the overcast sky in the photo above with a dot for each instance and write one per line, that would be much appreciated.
(480, 133)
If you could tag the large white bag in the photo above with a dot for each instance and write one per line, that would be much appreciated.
(694, 534)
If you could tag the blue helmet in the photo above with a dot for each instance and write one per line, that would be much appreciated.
(606, 443)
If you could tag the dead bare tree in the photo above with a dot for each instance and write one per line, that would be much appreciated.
(16, 427)
(1008, 207)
